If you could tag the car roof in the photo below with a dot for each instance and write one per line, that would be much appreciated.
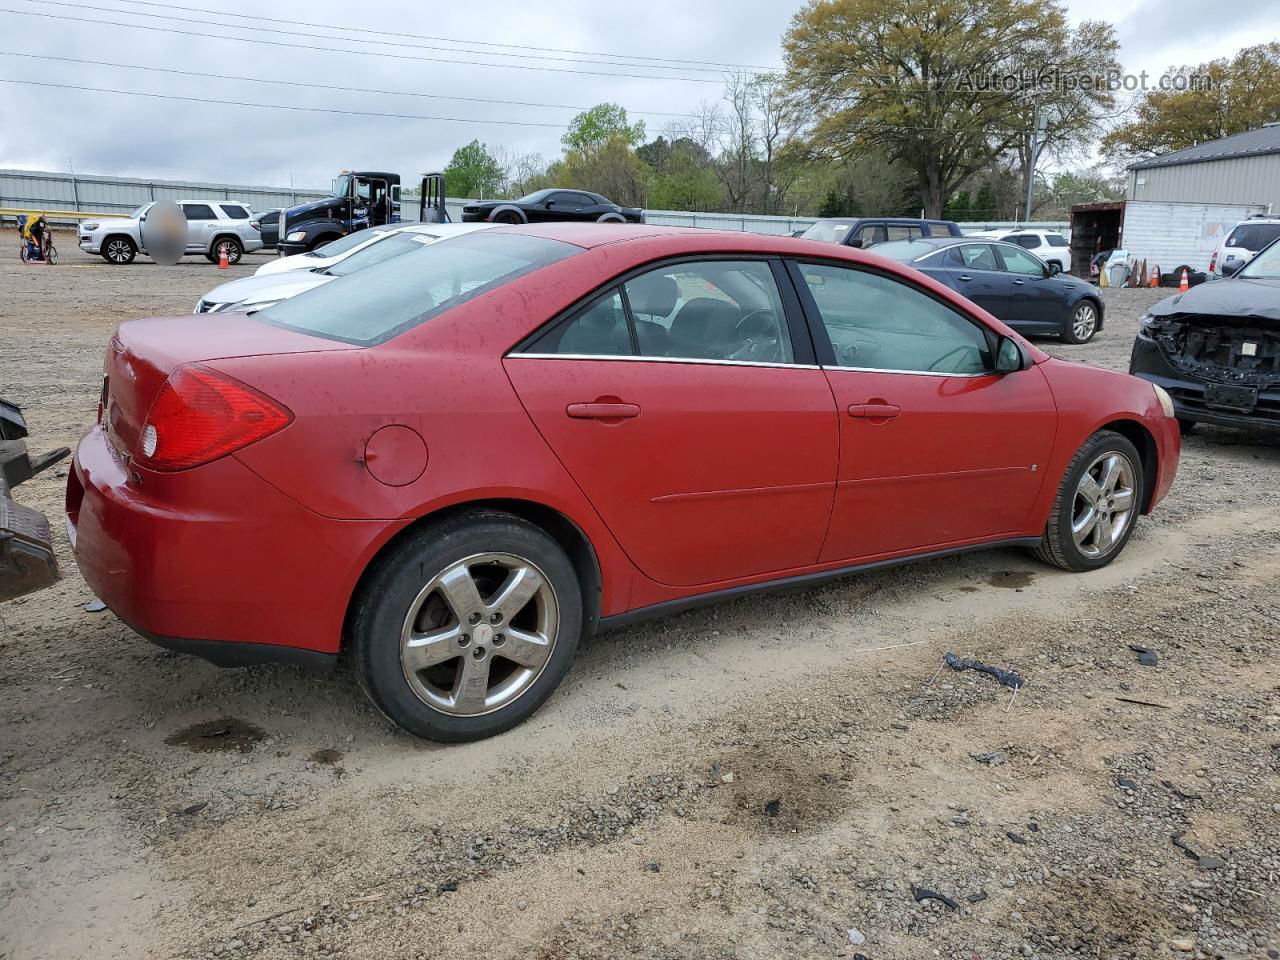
(880, 220)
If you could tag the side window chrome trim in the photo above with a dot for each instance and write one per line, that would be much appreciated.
(912, 373)
(633, 359)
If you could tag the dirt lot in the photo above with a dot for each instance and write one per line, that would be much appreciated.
(774, 777)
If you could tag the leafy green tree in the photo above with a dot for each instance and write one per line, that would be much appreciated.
(611, 168)
(604, 124)
(1223, 97)
(474, 172)
(914, 78)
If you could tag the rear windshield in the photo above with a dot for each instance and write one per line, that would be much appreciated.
(385, 300)
(1265, 266)
(1253, 236)
(829, 231)
(352, 240)
(389, 247)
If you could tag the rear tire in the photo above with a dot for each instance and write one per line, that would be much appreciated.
(119, 250)
(1094, 511)
(1082, 324)
(235, 250)
(508, 217)
(437, 648)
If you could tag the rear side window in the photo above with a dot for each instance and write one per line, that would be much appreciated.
(902, 231)
(1253, 236)
(382, 301)
(978, 256)
(234, 212)
(597, 330)
(198, 211)
(876, 323)
(710, 310)
(1056, 240)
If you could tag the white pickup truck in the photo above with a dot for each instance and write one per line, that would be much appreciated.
(211, 228)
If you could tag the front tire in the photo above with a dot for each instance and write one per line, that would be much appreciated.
(119, 250)
(467, 626)
(1097, 504)
(1083, 323)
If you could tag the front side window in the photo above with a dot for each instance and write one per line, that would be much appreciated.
(876, 323)
(872, 233)
(384, 300)
(710, 310)
(198, 211)
(1019, 261)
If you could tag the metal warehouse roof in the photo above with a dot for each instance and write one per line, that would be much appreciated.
(1251, 143)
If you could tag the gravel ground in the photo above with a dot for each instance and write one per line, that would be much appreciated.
(783, 776)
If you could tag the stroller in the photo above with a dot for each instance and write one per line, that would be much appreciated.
(36, 243)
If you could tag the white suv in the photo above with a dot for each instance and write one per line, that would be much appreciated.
(1246, 239)
(1048, 246)
(211, 228)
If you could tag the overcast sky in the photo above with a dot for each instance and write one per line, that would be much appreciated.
(115, 133)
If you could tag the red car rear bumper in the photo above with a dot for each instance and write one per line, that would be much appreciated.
(214, 561)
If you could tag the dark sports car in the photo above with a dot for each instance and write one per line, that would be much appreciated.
(1007, 281)
(542, 206)
(1216, 348)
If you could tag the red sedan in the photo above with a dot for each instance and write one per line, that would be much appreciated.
(458, 462)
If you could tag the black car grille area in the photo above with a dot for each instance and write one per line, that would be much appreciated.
(1210, 349)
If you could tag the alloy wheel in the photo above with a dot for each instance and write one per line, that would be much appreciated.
(479, 633)
(1084, 321)
(1104, 504)
(118, 251)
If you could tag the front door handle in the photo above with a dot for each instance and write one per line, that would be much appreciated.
(1018, 283)
(874, 411)
(964, 276)
(602, 411)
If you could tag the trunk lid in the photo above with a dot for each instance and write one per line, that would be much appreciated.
(143, 353)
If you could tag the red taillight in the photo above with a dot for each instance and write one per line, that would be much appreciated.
(201, 415)
(1213, 261)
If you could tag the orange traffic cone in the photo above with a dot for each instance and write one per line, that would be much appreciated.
(1184, 285)
(1155, 276)
(222, 257)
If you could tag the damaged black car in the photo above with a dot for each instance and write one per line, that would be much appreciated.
(1216, 348)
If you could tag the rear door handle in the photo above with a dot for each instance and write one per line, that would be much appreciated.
(602, 411)
(874, 411)
(1018, 283)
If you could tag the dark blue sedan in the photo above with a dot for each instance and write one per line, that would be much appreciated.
(1008, 281)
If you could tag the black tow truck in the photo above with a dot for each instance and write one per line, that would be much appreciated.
(27, 562)
(359, 199)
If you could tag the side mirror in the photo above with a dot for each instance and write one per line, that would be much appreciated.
(1054, 269)
(856, 243)
(1009, 356)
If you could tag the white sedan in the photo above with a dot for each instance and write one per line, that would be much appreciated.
(259, 292)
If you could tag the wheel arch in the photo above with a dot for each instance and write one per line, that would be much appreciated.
(568, 534)
(1097, 306)
(505, 209)
(1140, 437)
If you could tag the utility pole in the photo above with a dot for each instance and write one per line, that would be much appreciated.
(1038, 124)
